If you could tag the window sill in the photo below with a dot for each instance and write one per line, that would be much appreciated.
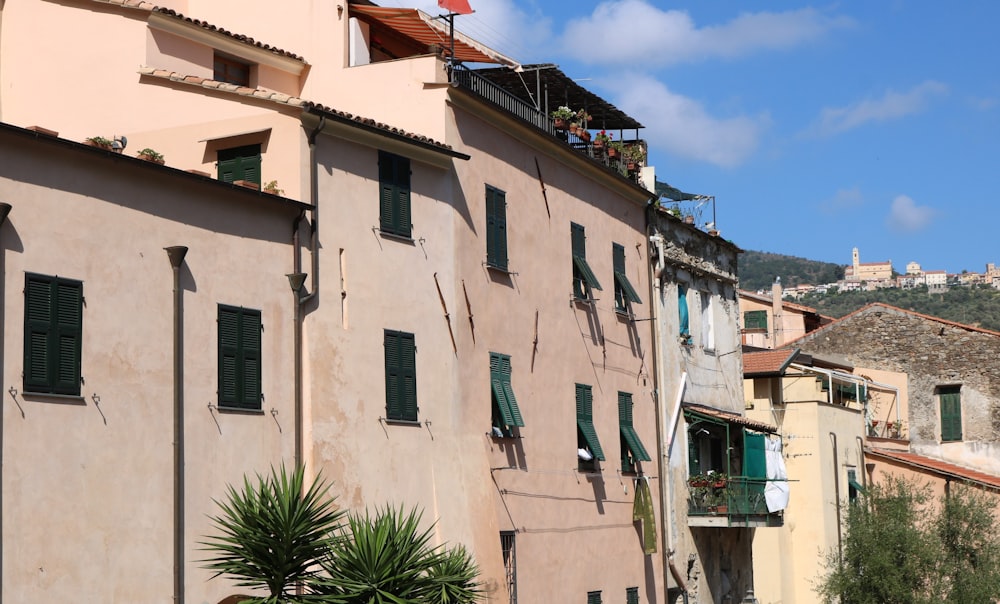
(239, 410)
(503, 270)
(402, 422)
(397, 237)
(624, 314)
(66, 399)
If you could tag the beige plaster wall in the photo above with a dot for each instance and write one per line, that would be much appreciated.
(87, 482)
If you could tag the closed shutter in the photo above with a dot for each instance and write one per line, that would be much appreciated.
(755, 319)
(496, 228)
(250, 329)
(951, 414)
(37, 325)
(239, 357)
(68, 324)
(400, 376)
(53, 334)
(394, 194)
(239, 163)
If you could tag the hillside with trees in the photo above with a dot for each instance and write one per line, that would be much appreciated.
(757, 270)
(978, 305)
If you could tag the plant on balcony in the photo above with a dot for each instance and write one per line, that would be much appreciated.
(99, 141)
(272, 188)
(602, 139)
(150, 155)
(635, 154)
(562, 117)
(583, 117)
(616, 149)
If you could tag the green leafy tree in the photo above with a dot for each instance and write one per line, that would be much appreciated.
(387, 559)
(271, 534)
(899, 549)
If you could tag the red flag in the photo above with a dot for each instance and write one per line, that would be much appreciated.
(460, 7)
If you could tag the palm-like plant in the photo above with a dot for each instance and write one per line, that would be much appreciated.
(387, 559)
(272, 533)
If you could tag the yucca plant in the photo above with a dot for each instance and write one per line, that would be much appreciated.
(272, 533)
(387, 559)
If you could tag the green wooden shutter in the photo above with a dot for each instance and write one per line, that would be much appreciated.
(755, 319)
(594, 597)
(585, 420)
(229, 338)
(394, 194)
(400, 376)
(496, 385)
(579, 240)
(623, 287)
(68, 332)
(951, 414)
(250, 363)
(239, 163)
(631, 595)
(37, 326)
(629, 437)
(403, 196)
(515, 411)
(496, 228)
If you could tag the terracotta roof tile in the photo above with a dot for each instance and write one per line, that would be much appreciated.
(937, 466)
(733, 418)
(376, 124)
(767, 362)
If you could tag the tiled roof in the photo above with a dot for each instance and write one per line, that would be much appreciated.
(770, 362)
(929, 464)
(784, 303)
(292, 101)
(728, 416)
(149, 6)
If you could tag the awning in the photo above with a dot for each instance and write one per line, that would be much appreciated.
(423, 28)
(712, 413)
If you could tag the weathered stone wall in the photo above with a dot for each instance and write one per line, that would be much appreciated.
(932, 353)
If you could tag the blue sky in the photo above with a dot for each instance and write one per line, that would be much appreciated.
(818, 128)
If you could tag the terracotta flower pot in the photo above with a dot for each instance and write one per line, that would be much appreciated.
(561, 124)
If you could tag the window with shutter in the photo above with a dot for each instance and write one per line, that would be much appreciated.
(400, 376)
(631, 595)
(584, 280)
(506, 414)
(594, 597)
(624, 292)
(682, 313)
(632, 450)
(53, 333)
(239, 163)
(239, 358)
(394, 194)
(496, 228)
(951, 413)
(755, 319)
(587, 443)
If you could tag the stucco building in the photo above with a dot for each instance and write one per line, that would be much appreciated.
(464, 331)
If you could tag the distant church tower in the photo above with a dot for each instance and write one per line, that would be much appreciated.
(856, 260)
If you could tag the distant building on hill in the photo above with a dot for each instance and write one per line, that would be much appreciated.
(867, 271)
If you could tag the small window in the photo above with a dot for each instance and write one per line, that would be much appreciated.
(755, 319)
(239, 357)
(53, 331)
(239, 163)
(509, 549)
(584, 280)
(853, 486)
(624, 292)
(231, 71)
(589, 449)
(496, 228)
(951, 413)
(707, 322)
(394, 194)
(400, 376)
(506, 414)
(632, 450)
(594, 597)
(632, 595)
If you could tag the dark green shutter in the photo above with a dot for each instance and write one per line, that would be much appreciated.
(239, 163)
(53, 333)
(496, 228)
(755, 319)
(400, 376)
(585, 420)
(594, 597)
(394, 194)
(515, 411)
(631, 595)
(623, 287)
(629, 437)
(583, 276)
(754, 456)
(951, 414)
(239, 357)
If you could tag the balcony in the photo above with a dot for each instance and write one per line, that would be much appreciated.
(737, 501)
(511, 91)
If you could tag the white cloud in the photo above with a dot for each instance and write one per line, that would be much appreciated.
(893, 105)
(627, 31)
(906, 216)
(844, 200)
(682, 127)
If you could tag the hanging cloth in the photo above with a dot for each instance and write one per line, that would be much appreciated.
(642, 509)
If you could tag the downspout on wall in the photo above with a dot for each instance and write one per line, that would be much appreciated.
(176, 255)
(4, 210)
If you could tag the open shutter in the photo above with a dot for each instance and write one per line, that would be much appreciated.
(624, 290)
(496, 383)
(508, 390)
(585, 420)
(682, 310)
(37, 326)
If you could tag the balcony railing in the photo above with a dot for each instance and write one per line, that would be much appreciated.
(737, 501)
(528, 113)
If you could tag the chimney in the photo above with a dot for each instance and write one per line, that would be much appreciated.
(777, 314)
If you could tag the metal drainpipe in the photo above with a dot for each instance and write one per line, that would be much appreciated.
(663, 456)
(836, 494)
(176, 254)
(4, 210)
(301, 300)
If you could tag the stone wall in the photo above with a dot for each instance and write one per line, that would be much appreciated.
(933, 353)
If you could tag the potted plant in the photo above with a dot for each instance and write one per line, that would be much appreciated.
(562, 116)
(272, 188)
(583, 133)
(99, 141)
(635, 155)
(150, 155)
(583, 117)
(616, 148)
(602, 139)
